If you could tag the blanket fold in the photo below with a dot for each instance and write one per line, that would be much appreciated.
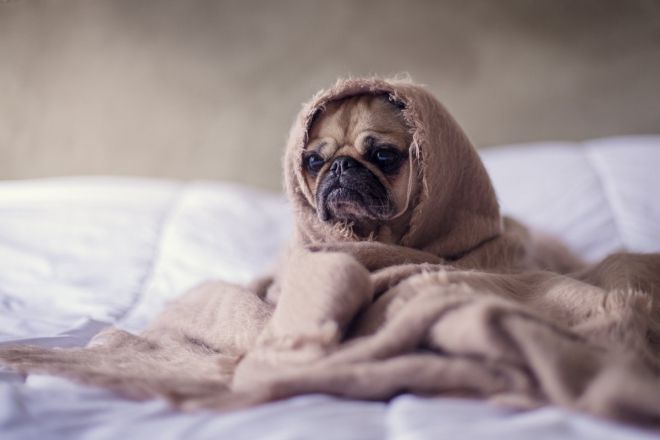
(465, 303)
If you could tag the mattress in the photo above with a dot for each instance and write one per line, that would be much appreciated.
(80, 253)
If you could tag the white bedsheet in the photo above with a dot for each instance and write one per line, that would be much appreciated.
(77, 254)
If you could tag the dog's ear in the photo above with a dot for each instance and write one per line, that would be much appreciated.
(394, 100)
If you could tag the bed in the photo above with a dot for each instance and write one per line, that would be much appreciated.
(80, 253)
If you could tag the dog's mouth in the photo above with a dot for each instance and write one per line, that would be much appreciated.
(353, 196)
(346, 202)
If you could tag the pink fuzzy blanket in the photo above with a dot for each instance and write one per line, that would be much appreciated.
(466, 303)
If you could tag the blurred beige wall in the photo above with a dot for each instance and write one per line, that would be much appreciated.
(207, 89)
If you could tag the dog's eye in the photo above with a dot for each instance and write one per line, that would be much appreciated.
(387, 159)
(385, 156)
(314, 162)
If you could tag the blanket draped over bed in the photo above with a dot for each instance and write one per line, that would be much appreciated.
(466, 303)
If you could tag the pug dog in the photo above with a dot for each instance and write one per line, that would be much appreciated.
(356, 163)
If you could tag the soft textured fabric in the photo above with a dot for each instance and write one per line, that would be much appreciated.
(460, 306)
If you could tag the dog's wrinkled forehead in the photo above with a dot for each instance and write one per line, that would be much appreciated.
(358, 122)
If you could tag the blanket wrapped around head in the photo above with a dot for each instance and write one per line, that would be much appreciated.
(462, 302)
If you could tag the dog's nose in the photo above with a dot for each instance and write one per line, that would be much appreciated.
(342, 163)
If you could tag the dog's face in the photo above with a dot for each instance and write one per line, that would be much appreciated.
(356, 162)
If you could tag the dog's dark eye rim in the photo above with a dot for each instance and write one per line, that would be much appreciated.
(384, 155)
(313, 162)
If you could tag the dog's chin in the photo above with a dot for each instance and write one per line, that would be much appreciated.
(347, 205)
(350, 207)
(356, 197)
